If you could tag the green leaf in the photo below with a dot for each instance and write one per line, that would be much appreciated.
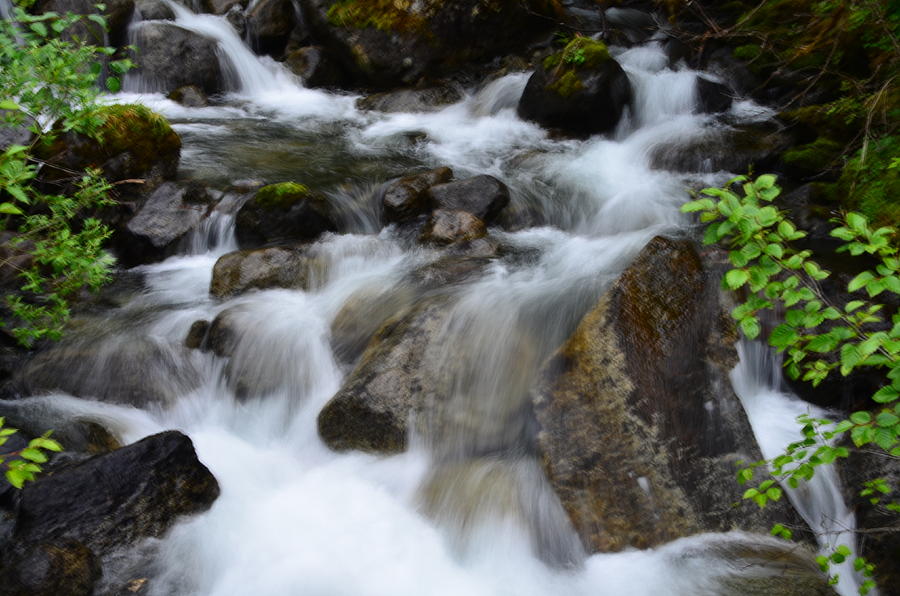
(860, 280)
(113, 84)
(886, 419)
(783, 336)
(860, 417)
(735, 278)
(9, 209)
(8, 104)
(886, 394)
(857, 222)
(750, 327)
(34, 455)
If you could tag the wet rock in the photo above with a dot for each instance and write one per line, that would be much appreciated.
(483, 196)
(269, 24)
(76, 433)
(363, 314)
(169, 57)
(283, 212)
(196, 335)
(114, 500)
(164, 219)
(222, 6)
(580, 90)
(50, 569)
(154, 10)
(111, 369)
(431, 99)
(237, 18)
(407, 197)
(190, 96)
(373, 409)
(635, 25)
(446, 227)
(314, 65)
(639, 430)
(237, 272)
(388, 44)
(222, 336)
(712, 96)
(138, 145)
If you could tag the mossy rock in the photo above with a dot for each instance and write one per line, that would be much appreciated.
(131, 142)
(287, 211)
(580, 90)
(812, 158)
(870, 185)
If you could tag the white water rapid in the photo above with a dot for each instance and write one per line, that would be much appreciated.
(467, 510)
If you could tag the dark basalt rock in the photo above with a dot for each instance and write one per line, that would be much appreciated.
(316, 67)
(580, 91)
(169, 57)
(283, 212)
(269, 24)
(154, 10)
(713, 97)
(114, 500)
(406, 198)
(49, 569)
(483, 196)
(639, 431)
(222, 6)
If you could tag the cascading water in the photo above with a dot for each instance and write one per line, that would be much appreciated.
(773, 415)
(466, 509)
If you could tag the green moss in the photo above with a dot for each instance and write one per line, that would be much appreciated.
(870, 185)
(749, 51)
(566, 84)
(813, 157)
(395, 16)
(281, 195)
(137, 130)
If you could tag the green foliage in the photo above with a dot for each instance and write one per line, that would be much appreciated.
(817, 338)
(48, 76)
(22, 466)
(281, 195)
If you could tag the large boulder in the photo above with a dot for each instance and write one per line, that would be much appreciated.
(164, 219)
(49, 569)
(315, 67)
(277, 267)
(385, 44)
(111, 501)
(269, 24)
(639, 430)
(405, 198)
(580, 90)
(169, 57)
(483, 196)
(283, 212)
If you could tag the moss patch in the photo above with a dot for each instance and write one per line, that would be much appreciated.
(396, 16)
(566, 85)
(870, 185)
(581, 54)
(813, 157)
(280, 196)
(137, 130)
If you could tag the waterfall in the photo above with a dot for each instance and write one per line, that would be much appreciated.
(773, 414)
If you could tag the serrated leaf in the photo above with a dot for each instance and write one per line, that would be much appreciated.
(860, 417)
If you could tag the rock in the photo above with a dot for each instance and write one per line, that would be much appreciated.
(138, 145)
(169, 57)
(50, 569)
(315, 67)
(713, 97)
(580, 90)
(196, 335)
(483, 196)
(237, 18)
(76, 433)
(222, 336)
(269, 24)
(165, 218)
(190, 96)
(237, 272)
(406, 198)
(283, 212)
(431, 99)
(154, 10)
(373, 409)
(111, 501)
(388, 44)
(639, 430)
(222, 6)
(635, 25)
(451, 227)
(110, 369)
(363, 314)
(117, 14)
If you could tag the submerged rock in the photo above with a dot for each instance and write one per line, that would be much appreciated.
(411, 100)
(190, 96)
(639, 430)
(446, 227)
(315, 66)
(277, 267)
(169, 57)
(283, 212)
(363, 314)
(580, 90)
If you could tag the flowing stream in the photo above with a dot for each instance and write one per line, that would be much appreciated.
(466, 510)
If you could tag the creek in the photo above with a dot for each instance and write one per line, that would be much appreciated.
(449, 515)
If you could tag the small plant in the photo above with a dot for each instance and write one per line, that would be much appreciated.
(817, 338)
(22, 466)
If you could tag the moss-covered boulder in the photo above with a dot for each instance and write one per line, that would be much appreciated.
(132, 143)
(385, 43)
(639, 430)
(580, 90)
(286, 211)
